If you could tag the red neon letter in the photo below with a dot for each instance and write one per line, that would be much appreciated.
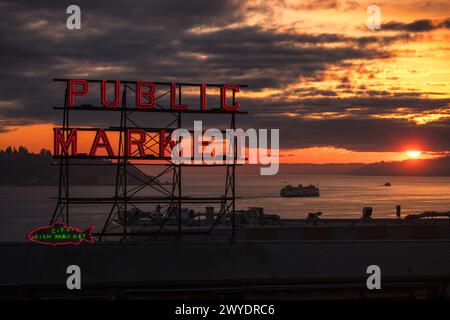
(164, 140)
(73, 92)
(203, 97)
(101, 134)
(233, 87)
(116, 95)
(59, 142)
(150, 95)
(173, 98)
(138, 142)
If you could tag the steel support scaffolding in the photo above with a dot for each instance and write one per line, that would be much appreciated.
(128, 166)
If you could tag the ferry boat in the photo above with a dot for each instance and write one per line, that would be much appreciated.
(300, 191)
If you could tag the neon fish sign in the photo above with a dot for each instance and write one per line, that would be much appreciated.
(60, 234)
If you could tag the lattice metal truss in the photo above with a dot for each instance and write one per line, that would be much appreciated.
(125, 198)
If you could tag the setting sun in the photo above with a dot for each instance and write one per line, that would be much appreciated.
(413, 153)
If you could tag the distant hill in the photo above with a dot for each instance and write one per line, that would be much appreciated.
(284, 169)
(311, 169)
(412, 167)
(19, 167)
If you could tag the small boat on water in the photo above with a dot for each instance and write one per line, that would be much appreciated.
(300, 191)
(387, 184)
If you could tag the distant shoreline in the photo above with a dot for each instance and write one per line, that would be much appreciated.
(21, 168)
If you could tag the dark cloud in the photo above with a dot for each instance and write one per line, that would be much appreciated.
(374, 104)
(198, 41)
(361, 134)
(154, 41)
(323, 5)
(423, 25)
(446, 23)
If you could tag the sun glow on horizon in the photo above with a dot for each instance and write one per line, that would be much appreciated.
(413, 153)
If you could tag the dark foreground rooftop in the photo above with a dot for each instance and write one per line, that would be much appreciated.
(281, 269)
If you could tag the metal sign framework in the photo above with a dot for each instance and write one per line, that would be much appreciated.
(125, 198)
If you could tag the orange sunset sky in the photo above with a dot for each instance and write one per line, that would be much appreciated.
(398, 76)
(36, 137)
